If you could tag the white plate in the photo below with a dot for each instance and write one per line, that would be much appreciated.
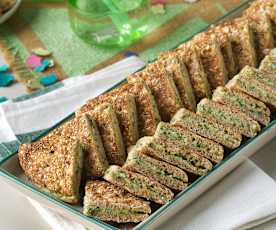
(9, 13)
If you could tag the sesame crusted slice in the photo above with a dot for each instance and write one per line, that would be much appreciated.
(225, 45)
(267, 6)
(254, 88)
(268, 64)
(54, 164)
(253, 108)
(207, 148)
(174, 153)
(96, 162)
(208, 128)
(262, 29)
(138, 185)
(251, 73)
(190, 57)
(108, 202)
(181, 78)
(228, 116)
(164, 173)
(212, 59)
(242, 39)
(125, 109)
(109, 129)
(163, 88)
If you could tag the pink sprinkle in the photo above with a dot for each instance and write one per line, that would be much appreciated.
(34, 61)
(156, 2)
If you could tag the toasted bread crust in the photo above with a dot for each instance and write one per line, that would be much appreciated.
(105, 201)
(181, 78)
(163, 88)
(109, 129)
(212, 59)
(190, 57)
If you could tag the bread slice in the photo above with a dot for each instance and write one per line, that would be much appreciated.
(190, 57)
(108, 202)
(267, 6)
(254, 88)
(163, 89)
(251, 73)
(125, 109)
(54, 164)
(263, 33)
(147, 111)
(268, 64)
(228, 116)
(181, 78)
(138, 185)
(212, 59)
(95, 159)
(242, 38)
(253, 108)
(164, 173)
(108, 125)
(207, 148)
(225, 45)
(175, 154)
(208, 128)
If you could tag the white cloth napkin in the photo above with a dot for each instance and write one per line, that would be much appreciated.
(245, 198)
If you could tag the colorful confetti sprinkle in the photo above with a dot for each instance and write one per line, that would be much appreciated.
(44, 65)
(6, 79)
(41, 52)
(4, 68)
(48, 80)
(52, 63)
(3, 99)
(34, 61)
(130, 53)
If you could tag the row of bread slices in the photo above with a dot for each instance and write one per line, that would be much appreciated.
(157, 164)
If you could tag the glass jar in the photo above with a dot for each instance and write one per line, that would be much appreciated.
(109, 23)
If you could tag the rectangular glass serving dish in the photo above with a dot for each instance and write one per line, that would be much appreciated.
(11, 172)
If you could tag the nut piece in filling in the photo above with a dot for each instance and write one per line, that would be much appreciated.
(207, 148)
(212, 59)
(174, 153)
(208, 128)
(109, 129)
(190, 57)
(138, 185)
(163, 89)
(181, 78)
(253, 108)
(227, 116)
(164, 173)
(108, 202)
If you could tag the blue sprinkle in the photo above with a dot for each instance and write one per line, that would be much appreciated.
(2, 99)
(130, 53)
(45, 64)
(6, 79)
(48, 80)
(4, 68)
